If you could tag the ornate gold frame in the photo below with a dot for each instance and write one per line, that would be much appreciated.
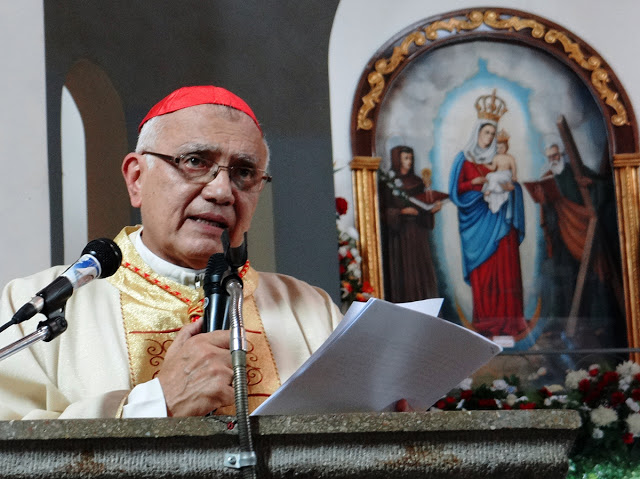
(517, 26)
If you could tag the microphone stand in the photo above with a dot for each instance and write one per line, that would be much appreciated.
(52, 327)
(246, 460)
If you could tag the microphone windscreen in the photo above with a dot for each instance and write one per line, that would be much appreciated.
(216, 267)
(108, 254)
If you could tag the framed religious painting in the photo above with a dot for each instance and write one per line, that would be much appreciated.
(496, 166)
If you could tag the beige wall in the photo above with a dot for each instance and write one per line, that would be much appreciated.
(24, 179)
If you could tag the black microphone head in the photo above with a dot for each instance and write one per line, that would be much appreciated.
(108, 254)
(237, 257)
(216, 267)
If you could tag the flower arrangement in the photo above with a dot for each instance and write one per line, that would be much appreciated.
(390, 179)
(352, 288)
(608, 402)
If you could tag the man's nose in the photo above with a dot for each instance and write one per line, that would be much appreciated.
(219, 189)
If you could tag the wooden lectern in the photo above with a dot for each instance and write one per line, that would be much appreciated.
(455, 444)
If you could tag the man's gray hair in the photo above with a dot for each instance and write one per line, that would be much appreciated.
(153, 129)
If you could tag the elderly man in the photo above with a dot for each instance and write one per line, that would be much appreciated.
(133, 347)
(565, 222)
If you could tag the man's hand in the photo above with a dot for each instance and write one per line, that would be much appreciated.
(196, 374)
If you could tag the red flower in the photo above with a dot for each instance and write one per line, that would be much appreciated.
(527, 405)
(450, 400)
(617, 397)
(487, 403)
(367, 288)
(341, 205)
(347, 286)
(583, 386)
(441, 404)
(466, 394)
(506, 407)
(610, 377)
(594, 372)
(637, 377)
(343, 269)
(627, 438)
(545, 392)
(635, 394)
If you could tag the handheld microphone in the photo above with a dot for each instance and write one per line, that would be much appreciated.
(100, 259)
(216, 297)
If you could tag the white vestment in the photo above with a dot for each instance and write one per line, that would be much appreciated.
(85, 372)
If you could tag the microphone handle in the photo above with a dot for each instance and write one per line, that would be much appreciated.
(216, 310)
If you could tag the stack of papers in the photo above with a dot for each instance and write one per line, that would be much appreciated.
(380, 353)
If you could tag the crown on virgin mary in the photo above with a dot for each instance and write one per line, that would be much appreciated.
(491, 107)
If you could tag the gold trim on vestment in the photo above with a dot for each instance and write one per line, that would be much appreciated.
(154, 308)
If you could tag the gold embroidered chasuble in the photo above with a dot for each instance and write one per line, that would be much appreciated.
(154, 308)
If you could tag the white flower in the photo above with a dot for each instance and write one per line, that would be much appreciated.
(633, 405)
(597, 434)
(511, 399)
(465, 384)
(343, 250)
(555, 388)
(562, 399)
(351, 231)
(499, 385)
(633, 423)
(628, 368)
(574, 377)
(397, 183)
(603, 416)
(542, 371)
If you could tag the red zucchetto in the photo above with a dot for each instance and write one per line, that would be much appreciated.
(199, 95)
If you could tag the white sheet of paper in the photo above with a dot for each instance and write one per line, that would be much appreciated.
(381, 353)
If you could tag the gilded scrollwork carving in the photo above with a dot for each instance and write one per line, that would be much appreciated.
(376, 78)
(475, 19)
(496, 21)
(599, 76)
(493, 20)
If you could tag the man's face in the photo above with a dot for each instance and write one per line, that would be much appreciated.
(183, 221)
(553, 154)
(406, 161)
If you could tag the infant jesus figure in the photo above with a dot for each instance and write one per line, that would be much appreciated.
(503, 173)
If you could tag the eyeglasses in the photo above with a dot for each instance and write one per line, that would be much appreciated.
(199, 169)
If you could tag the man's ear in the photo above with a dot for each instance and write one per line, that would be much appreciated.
(131, 170)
